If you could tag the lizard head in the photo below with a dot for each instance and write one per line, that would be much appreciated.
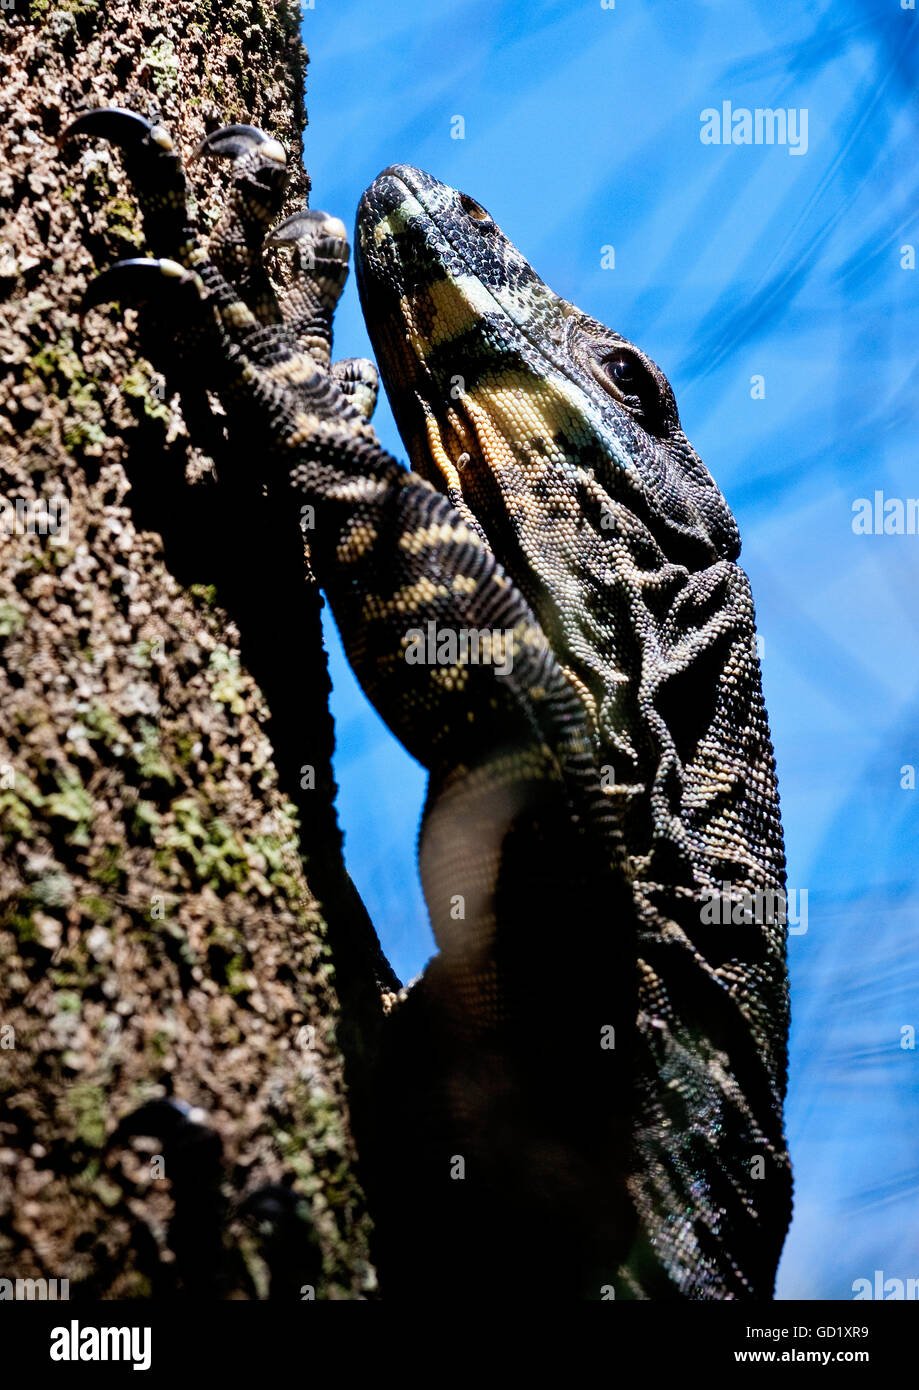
(505, 392)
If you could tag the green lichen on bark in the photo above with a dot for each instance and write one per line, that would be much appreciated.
(157, 934)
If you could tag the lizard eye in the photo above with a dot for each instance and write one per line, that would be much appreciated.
(632, 383)
(475, 210)
(623, 370)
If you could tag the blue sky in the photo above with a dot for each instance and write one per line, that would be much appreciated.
(582, 130)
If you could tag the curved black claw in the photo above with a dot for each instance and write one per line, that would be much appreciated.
(140, 280)
(124, 128)
(307, 224)
(153, 166)
(317, 237)
(232, 141)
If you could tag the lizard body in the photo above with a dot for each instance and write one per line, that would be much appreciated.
(577, 474)
(581, 1085)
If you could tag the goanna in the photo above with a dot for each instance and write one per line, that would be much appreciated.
(583, 1093)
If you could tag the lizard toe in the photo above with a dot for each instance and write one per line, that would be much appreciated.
(155, 169)
(359, 379)
(320, 244)
(259, 180)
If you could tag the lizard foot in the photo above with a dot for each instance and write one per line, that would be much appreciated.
(221, 326)
(282, 1243)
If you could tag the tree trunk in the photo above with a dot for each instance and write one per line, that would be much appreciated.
(157, 935)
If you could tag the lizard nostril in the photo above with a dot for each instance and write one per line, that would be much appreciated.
(473, 209)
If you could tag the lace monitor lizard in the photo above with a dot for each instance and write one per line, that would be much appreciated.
(584, 1089)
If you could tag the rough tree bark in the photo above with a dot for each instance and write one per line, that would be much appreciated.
(157, 934)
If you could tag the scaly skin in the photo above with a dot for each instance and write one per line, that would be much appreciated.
(584, 788)
(560, 443)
